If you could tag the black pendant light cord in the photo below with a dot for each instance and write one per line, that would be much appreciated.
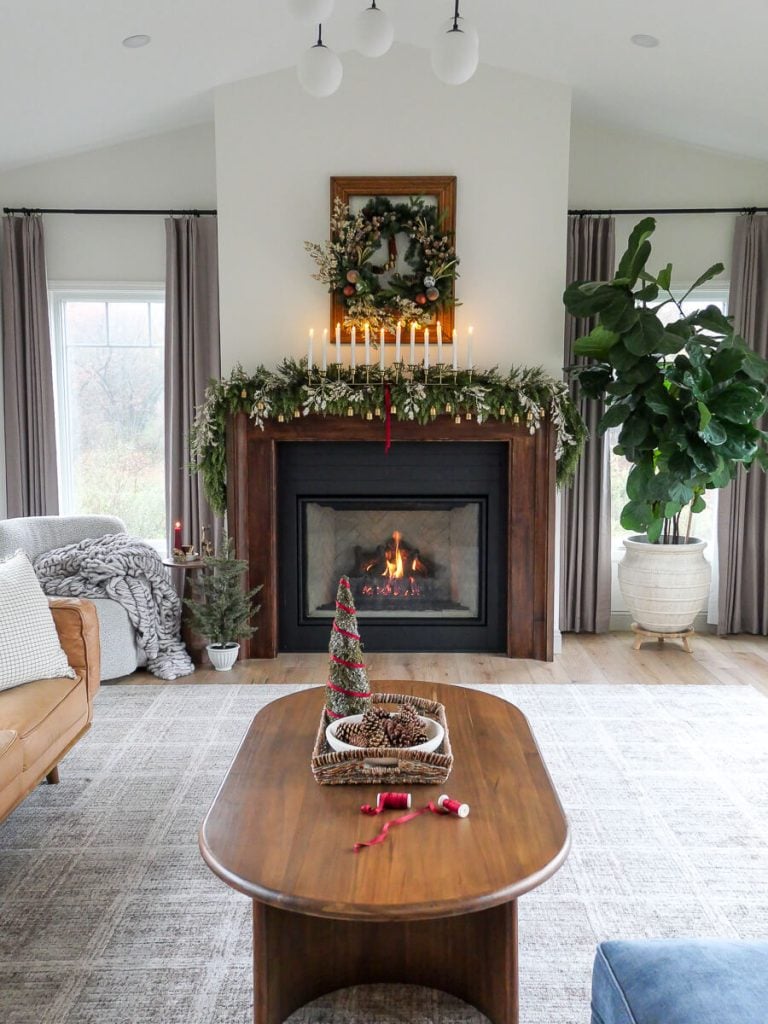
(456, 19)
(319, 36)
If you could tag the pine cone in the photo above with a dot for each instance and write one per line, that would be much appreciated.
(344, 731)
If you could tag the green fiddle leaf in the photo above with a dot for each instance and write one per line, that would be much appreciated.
(621, 313)
(636, 516)
(593, 380)
(725, 363)
(614, 416)
(588, 298)
(643, 337)
(648, 293)
(698, 504)
(654, 530)
(713, 271)
(664, 277)
(754, 365)
(739, 403)
(639, 480)
(637, 253)
(711, 319)
(704, 415)
(597, 344)
(714, 433)
(634, 432)
(621, 358)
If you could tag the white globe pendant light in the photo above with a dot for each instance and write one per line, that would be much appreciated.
(373, 31)
(319, 69)
(456, 52)
(311, 12)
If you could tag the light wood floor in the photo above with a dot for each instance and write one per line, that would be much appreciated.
(608, 658)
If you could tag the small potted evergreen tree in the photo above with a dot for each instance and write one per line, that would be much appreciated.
(222, 609)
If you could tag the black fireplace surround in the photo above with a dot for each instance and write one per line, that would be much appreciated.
(315, 478)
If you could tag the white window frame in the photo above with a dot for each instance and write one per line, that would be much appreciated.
(60, 293)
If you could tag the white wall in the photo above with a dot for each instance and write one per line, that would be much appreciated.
(172, 171)
(611, 168)
(506, 139)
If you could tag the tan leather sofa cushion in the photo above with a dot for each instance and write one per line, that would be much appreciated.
(41, 712)
(10, 758)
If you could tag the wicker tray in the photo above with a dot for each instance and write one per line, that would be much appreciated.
(366, 766)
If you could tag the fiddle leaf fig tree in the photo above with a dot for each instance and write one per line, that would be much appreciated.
(687, 394)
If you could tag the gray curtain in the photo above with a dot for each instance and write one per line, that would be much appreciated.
(585, 530)
(742, 527)
(30, 425)
(192, 357)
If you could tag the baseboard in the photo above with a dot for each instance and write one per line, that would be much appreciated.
(621, 622)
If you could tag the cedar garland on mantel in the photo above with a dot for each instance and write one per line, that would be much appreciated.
(417, 395)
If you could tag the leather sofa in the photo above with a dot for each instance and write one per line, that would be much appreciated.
(120, 653)
(40, 721)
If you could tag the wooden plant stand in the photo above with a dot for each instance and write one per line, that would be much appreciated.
(684, 636)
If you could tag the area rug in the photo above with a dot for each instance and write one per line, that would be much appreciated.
(109, 916)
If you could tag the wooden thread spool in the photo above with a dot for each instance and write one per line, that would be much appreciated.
(445, 803)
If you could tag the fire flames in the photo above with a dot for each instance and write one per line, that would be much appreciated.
(400, 568)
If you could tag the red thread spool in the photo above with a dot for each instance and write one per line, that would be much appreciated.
(388, 802)
(445, 803)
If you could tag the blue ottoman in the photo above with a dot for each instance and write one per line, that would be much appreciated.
(673, 981)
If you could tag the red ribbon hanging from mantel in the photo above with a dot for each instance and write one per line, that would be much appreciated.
(387, 419)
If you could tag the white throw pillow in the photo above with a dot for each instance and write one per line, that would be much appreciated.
(29, 643)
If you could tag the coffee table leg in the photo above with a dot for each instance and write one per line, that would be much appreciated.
(298, 958)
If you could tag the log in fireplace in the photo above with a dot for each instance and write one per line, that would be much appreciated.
(447, 540)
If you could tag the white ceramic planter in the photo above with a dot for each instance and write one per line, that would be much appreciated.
(223, 658)
(665, 585)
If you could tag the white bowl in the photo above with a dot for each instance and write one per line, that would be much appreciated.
(433, 730)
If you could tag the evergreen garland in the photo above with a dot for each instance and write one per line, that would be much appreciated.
(288, 392)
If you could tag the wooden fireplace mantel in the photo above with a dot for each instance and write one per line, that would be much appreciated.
(253, 523)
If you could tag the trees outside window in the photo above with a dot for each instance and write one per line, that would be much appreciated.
(109, 353)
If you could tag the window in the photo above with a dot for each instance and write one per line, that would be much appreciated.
(109, 353)
(704, 525)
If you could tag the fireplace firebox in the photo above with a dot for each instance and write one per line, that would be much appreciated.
(419, 532)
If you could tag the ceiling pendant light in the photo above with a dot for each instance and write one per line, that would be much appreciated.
(311, 12)
(456, 52)
(319, 69)
(373, 31)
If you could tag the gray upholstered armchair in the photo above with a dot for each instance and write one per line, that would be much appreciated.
(120, 654)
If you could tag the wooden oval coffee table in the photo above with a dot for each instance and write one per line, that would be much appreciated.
(434, 905)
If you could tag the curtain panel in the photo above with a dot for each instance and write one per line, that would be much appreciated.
(29, 418)
(742, 525)
(192, 357)
(585, 524)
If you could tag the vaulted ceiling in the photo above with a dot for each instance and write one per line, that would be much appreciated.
(67, 83)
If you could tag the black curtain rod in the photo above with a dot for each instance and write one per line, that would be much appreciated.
(120, 213)
(701, 209)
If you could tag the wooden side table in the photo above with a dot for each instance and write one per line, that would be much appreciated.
(195, 644)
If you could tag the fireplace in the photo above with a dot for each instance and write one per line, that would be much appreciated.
(420, 532)
(472, 505)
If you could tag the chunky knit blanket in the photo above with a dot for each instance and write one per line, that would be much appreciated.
(130, 572)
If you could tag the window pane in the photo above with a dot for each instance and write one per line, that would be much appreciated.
(158, 323)
(111, 431)
(86, 323)
(128, 323)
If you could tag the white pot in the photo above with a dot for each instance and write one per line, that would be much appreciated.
(223, 658)
(664, 585)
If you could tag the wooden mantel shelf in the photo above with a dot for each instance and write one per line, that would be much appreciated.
(252, 512)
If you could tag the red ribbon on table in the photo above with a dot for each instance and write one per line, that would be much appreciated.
(431, 806)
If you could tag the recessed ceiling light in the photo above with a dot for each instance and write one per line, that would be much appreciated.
(646, 41)
(134, 42)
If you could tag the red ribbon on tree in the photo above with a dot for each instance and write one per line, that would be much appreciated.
(387, 419)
